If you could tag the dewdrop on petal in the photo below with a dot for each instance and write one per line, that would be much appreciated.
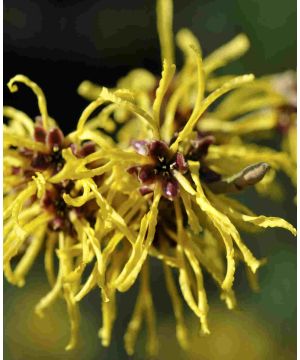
(158, 186)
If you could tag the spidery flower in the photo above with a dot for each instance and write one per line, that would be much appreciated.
(103, 207)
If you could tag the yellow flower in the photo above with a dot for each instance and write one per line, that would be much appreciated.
(161, 189)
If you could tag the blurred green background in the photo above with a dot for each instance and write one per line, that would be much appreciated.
(60, 43)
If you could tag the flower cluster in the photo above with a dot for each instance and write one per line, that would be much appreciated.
(158, 187)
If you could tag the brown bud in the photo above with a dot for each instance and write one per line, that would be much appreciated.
(181, 164)
(55, 138)
(170, 188)
(147, 173)
(251, 175)
(158, 149)
(140, 146)
(40, 134)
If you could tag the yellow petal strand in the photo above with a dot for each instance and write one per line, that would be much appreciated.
(140, 248)
(256, 95)
(15, 208)
(192, 217)
(86, 114)
(95, 244)
(110, 214)
(106, 95)
(81, 199)
(20, 117)
(75, 169)
(84, 233)
(15, 239)
(40, 182)
(65, 265)
(102, 140)
(236, 205)
(219, 220)
(171, 261)
(103, 120)
(143, 307)
(88, 285)
(252, 280)
(49, 299)
(108, 251)
(185, 284)
(139, 80)
(167, 128)
(229, 298)
(109, 308)
(201, 293)
(152, 340)
(24, 217)
(184, 278)
(253, 103)
(215, 82)
(38, 92)
(73, 312)
(30, 255)
(201, 106)
(53, 294)
(253, 123)
(209, 265)
(12, 139)
(164, 13)
(181, 330)
(251, 261)
(185, 40)
(167, 76)
(49, 258)
(108, 315)
(242, 214)
(226, 53)
(212, 267)
(89, 90)
(134, 325)
(245, 155)
(137, 257)
(265, 221)
(14, 211)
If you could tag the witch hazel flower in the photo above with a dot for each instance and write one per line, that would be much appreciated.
(150, 176)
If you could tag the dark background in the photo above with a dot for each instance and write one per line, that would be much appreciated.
(60, 43)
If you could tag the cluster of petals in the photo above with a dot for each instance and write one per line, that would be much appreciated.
(151, 175)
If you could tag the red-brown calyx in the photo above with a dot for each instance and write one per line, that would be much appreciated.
(160, 168)
(162, 164)
(52, 160)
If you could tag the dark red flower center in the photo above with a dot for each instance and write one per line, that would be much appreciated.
(162, 164)
(160, 168)
(52, 158)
